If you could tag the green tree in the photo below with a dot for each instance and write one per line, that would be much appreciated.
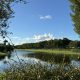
(6, 12)
(75, 7)
(73, 44)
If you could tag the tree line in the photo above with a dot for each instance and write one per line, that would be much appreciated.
(51, 44)
(6, 48)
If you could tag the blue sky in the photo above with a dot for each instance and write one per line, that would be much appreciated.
(42, 18)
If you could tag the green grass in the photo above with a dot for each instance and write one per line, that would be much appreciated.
(55, 51)
(56, 55)
(25, 71)
(2, 54)
(38, 71)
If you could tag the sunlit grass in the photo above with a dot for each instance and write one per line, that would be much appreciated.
(2, 54)
(55, 51)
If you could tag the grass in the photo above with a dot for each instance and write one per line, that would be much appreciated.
(26, 71)
(55, 55)
(2, 55)
(55, 51)
(37, 71)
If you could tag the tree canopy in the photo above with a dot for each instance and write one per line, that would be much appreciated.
(6, 12)
(75, 7)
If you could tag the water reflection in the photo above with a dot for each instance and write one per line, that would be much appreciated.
(30, 57)
(57, 58)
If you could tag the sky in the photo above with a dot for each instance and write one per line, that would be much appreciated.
(41, 20)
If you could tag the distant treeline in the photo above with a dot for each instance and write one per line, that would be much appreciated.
(51, 44)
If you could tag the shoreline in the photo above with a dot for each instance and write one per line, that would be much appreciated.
(53, 51)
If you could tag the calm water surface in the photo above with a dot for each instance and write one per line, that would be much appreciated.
(30, 57)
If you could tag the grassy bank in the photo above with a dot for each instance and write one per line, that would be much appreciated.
(55, 51)
(2, 55)
(25, 71)
(55, 55)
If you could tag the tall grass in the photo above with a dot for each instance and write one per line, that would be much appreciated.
(38, 71)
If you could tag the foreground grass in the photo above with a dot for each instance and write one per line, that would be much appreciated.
(56, 51)
(38, 71)
(25, 71)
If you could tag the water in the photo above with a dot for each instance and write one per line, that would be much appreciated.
(31, 57)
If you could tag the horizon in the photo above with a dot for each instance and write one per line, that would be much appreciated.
(40, 17)
(46, 39)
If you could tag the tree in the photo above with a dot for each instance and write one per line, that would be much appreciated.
(73, 44)
(6, 12)
(66, 42)
(75, 7)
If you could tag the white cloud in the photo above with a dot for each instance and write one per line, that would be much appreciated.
(35, 38)
(15, 37)
(38, 38)
(18, 41)
(46, 17)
